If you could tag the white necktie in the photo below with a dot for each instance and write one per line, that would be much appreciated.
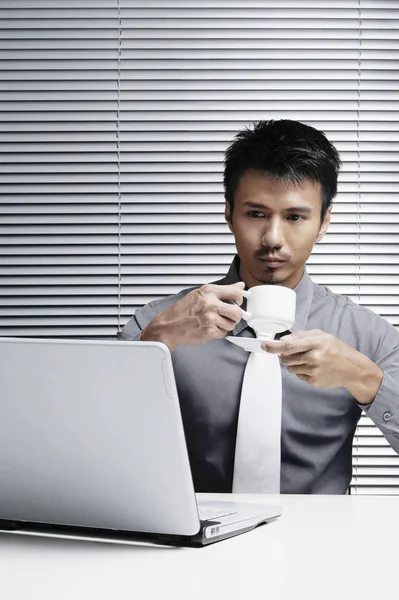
(258, 446)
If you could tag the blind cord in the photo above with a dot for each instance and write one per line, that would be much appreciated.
(358, 207)
(119, 275)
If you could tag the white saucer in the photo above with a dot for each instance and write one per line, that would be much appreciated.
(246, 343)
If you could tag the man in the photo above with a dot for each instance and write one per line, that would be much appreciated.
(280, 179)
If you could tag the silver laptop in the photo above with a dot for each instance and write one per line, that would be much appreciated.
(92, 442)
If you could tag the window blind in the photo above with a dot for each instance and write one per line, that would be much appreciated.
(59, 167)
(116, 114)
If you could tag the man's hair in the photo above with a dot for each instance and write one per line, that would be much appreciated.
(289, 151)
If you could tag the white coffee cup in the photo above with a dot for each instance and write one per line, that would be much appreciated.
(270, 309)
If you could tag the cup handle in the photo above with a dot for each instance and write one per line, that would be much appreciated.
(245, 315)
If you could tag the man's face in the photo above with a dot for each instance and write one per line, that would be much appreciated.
(275, 226)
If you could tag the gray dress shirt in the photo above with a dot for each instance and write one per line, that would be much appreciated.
(318, 424)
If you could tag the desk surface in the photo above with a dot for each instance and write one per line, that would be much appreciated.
(324, 547)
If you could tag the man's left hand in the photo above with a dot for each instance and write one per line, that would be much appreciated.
(323, 360)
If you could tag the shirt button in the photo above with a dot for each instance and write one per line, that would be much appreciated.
(386, 416)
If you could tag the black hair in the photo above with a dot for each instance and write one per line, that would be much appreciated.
(288, 150)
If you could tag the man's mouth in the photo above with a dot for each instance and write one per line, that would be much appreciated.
(270, 261)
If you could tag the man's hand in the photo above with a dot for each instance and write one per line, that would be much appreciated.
(325, 361)
(199, 316)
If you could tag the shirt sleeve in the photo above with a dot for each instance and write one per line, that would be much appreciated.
(133, 328)
(384, 410)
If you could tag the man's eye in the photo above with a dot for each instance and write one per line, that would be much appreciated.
(256, 214)
(295, 217)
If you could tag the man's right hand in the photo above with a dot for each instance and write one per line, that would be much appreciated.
(199, 316)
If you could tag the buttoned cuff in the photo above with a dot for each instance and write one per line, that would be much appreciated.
(384, 410)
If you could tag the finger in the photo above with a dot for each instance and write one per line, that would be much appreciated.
(228, 292)
(225, 324)
(310, 378)
(289, 346)
(273, 347)
(215, 320)
(291, 360)
(230, 311)
(301, 369)
(220, 332)
(302, 333)
(218, 329)
(305, 378)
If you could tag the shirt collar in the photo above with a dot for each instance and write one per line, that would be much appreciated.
(233, 274)
(304, 297)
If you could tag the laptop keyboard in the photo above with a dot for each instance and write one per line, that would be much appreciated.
(207, 514)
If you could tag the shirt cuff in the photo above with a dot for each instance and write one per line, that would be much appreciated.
(384, 410)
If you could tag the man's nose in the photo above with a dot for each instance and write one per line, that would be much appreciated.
(273, 234)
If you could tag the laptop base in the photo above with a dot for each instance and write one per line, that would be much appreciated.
(199, 540)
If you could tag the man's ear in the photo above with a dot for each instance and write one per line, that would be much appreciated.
(227, 215)
(324, 225)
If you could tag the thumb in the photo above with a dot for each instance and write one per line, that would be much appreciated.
(295, 335)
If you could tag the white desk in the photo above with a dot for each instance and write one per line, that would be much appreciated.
(323, 547)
